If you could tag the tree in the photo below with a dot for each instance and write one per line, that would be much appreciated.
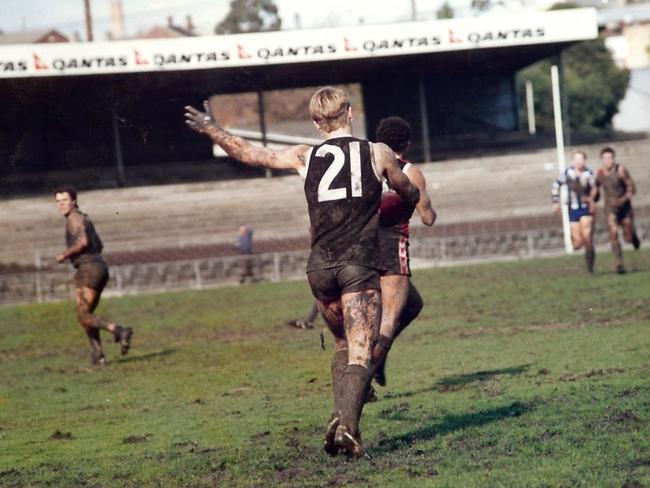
(250, 16)
(593, 83)
(481, 5)
(445, 11)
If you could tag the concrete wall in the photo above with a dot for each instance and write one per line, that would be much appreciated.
(158, 277)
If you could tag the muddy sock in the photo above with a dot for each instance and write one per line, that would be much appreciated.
(313, 314)
(410, 311)
(617, 250)
(356, 380)
(339, 363)
(95, 341)
(380, 351)
(117, 330)
(590, 258)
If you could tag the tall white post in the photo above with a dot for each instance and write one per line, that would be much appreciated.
(530, 108)
(561, 162)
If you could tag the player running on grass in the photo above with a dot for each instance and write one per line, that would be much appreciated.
(401, 302)
(619, 188)
(84, 248)
(580, 181)
(343, 188)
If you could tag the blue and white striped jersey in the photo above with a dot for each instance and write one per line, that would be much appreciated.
(579, 186)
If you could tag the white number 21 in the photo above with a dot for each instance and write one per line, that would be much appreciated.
(325, 193)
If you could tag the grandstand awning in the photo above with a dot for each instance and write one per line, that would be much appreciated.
(300, 46)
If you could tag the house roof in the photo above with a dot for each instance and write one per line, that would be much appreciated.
(32, 36)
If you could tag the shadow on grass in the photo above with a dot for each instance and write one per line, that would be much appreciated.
(457, 381)
(150, 355)
(451, 423)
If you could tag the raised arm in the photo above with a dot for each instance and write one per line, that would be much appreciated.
(78, 230)
(387, 165)
(423, 208)
(238, 148)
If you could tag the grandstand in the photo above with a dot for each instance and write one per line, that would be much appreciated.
(479, 195)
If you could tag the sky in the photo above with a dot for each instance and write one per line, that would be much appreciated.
(68, 17)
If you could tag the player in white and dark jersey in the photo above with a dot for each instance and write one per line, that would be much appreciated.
(343, 189)
(401, 301)
(580, 181)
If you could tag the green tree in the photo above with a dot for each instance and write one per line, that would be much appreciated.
(445, 11)
(250, 16)
(593, 83)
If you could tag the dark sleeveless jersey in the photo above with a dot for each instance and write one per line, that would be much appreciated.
(613, 185)
(93, 250)
(342, 193)
(388, 226)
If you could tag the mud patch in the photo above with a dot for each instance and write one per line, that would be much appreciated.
(594, 373)
(261, 435)
(193, 447)
(136, 439)
(236, 392)
(633, 484)
(622, 421)
(58, 435)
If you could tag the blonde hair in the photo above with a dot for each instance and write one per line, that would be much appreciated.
(328, 107)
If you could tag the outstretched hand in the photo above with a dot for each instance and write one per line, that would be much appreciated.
(199, 121)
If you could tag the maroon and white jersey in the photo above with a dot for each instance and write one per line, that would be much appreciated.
(387, 222)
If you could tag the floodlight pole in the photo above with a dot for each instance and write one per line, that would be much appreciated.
(561, 162)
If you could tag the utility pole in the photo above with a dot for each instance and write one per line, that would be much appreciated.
(414, 11)
(89, 21)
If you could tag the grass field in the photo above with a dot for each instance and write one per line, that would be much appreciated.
(526, 374)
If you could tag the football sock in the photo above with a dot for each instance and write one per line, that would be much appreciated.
(618, 254)
(356, 380)
(380, 351)
(410, 311)
(93, 337)
(339, 363)
(313, 313)
(590, 258)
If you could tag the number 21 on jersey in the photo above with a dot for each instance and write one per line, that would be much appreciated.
(325, 192)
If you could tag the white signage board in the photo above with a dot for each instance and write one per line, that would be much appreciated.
(302, 46)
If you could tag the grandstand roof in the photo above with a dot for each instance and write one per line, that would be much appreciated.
(352, 46)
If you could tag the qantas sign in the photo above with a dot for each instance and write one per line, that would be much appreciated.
(191, 53)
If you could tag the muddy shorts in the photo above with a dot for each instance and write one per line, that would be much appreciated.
(329, 284)
(395, 259)
(93, 275)
(623, 212)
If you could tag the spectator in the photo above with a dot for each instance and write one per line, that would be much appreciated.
(245, 246)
